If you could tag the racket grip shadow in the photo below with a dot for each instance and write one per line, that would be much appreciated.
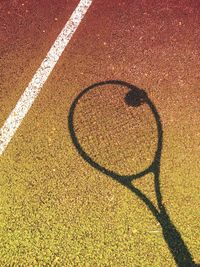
(176, 245)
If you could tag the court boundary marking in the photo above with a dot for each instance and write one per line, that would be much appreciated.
(34, 87)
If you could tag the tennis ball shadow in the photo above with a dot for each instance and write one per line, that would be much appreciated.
(134, 98)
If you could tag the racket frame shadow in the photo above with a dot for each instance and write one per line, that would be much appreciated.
(176, 245)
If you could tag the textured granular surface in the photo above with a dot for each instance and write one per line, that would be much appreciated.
(55, 209)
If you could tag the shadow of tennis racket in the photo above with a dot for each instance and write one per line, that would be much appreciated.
(135, 98)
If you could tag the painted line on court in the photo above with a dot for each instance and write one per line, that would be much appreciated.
(34, 87)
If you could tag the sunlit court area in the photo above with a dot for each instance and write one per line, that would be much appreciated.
(99, 133)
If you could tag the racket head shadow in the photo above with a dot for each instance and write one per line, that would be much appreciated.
(131, 98)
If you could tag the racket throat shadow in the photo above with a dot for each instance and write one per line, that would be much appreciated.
(143, 198)
(172, 236)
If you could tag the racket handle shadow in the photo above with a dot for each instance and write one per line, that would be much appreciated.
(173, 239)
(175, 243)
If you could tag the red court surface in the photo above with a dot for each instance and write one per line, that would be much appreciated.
(56, 209)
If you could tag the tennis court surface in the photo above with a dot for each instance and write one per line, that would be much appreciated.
(56, 207)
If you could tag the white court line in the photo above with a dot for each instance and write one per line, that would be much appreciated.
(34, 87)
